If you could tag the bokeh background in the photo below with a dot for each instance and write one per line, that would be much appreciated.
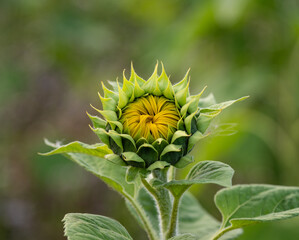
(53, 55)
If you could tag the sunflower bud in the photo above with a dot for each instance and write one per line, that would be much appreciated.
(153, 124)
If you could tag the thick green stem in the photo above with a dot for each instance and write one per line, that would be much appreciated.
(163, 200)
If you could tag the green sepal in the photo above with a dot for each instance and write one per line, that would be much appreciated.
(207, 101)
(182, 84)
(191, 123)
(138, 91)
(182, 95)
(185, 108)
(163, 80)
(170, 133)
(171, 154)
(209, 113)
(116, 159)
(181, 125)
(134, 77)
(114, 85)
(158, 165)
(159, 145)
(128, 88)
(148, 153)
(184, 161)
(96, 121)
(108, 103)
(128, 143)
(115, 142)
(102, 135)
(151, 86)
(194, 101)
(197, 136)
(168, 92)
(109, 94)
(123, 98)
(133, 159)
(115, 124)
(140, 142)
(108, 115)
(181, 138)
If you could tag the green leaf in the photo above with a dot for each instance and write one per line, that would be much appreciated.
(116, 159)
(193, 219)
(203, 172)
(147, 205)
(82, 226)
(186, 236)
(113, 175)
(244, 205)
(99, 149)
(211, 172)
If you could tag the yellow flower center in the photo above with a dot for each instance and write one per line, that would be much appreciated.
(150, 117)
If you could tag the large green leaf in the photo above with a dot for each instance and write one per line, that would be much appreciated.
(243, 205)
(90, 158)
(148, 205)
(99, 149)
(80, 226)
(112, 174)
(193, 219)
(203, 172)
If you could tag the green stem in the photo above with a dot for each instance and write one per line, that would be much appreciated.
(174, 218)
(146, 223)
(162, 199)
(221, 232)
(175, 210)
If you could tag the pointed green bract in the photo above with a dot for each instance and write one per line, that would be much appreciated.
(108, 103)
(97, 122)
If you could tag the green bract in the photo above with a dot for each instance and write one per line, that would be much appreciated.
(146, 148)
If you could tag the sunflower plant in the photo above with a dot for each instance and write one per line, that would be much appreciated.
(148, 130)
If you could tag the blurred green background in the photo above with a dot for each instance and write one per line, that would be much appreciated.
(53, 55)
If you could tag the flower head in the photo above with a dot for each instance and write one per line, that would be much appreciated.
(153, 124)
(150, 117)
